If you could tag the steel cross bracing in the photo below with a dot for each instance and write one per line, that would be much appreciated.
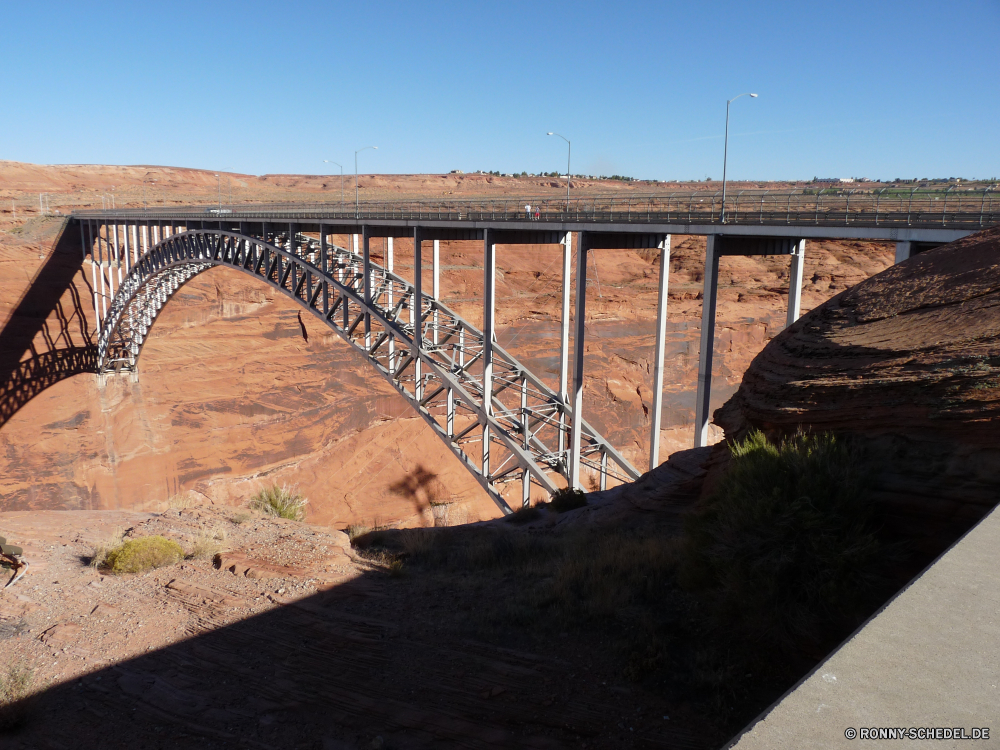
(523, 421)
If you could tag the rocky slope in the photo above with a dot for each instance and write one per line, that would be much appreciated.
(909, 361)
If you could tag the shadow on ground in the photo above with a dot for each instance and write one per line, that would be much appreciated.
(340, 669)
(67, 347)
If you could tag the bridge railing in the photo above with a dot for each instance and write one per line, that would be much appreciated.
(890, 206)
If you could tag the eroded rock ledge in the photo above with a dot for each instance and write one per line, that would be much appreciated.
(908, 360)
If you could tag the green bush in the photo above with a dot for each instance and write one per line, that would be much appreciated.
(281, 502)
(568, 498)
(142, 554)
(786, 545)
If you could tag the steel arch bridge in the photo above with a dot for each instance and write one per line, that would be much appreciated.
(499, 419)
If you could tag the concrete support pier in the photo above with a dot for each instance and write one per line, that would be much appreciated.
(795, 282)
(661, 334)
(579, 346)
(709, 299)
(902, 251)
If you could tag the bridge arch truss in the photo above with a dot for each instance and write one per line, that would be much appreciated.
(502, 422)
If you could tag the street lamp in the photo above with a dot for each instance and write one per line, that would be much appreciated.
(328, 161)
(569, 153)
(725, 155)
(220, 193)
(356, 202)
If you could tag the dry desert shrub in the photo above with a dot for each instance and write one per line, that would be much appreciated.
(100, 551)
(207, 544)
(142, 554)
(281, 502)
(15, 691)
(567, 498)
(182, 501)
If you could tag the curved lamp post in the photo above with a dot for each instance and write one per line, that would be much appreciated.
(356, 202)
(328, 161)
(569, 153)
(725, 154)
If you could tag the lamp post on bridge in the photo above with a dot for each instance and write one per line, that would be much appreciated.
(219, 176)
(329, 161)
(725, 154)
(569, 153)
(357, 210)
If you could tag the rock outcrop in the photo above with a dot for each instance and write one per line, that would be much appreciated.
(908, 360)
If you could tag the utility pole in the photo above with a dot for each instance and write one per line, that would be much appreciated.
(725, 155)
(569, 153)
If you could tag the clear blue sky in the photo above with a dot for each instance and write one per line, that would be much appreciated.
(879, 88)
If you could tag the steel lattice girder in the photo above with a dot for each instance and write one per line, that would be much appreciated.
(432, 378)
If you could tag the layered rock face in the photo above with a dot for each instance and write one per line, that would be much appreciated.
(910, 361)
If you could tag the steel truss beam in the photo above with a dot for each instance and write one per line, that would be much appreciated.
(437, 367)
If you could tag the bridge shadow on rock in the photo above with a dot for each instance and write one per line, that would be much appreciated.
(66, 347)
(336, 671)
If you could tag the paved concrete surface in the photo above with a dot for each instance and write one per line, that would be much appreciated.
(929, 659)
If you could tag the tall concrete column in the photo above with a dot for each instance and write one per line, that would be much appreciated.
(367, 270)
(579, 346)
(567, 256)
(135, 244)
(709, 299)
(113, 264)
(83, 242)
(902, 251)
(118, 258)
(100, 251)
(417, 311)
(436, 283)
(93, 276)
(389, 300)
(661, 334)
(795, 282)
(489, 309)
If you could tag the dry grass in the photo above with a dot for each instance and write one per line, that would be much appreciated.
(240, 517)
(15, 691)
(100, 551)
(142, 554)
(567, 498)
(282, 502)
(183, 501)
(207, 544)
